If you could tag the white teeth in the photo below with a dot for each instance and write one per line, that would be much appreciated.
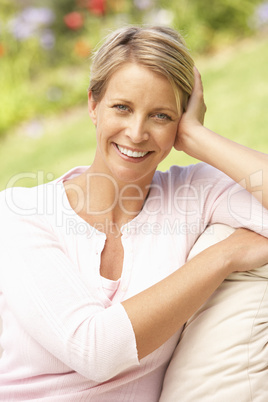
(128, 152)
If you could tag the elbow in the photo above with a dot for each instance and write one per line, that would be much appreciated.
(96, 370)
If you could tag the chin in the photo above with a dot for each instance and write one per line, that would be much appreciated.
(131, 176)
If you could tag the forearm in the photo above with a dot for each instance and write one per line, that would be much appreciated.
(244, 165)
(158, 312)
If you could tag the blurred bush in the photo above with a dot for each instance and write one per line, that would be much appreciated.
(209, 24)
(45, 45)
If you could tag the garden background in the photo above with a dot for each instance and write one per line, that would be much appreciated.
(45, 49)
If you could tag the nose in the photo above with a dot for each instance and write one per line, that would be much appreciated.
(138, 130)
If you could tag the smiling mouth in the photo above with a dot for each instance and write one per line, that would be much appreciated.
(132, 154)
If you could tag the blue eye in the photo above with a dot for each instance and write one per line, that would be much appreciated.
(162, 116)
(122, 108)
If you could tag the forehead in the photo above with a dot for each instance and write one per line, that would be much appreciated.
(134, 79)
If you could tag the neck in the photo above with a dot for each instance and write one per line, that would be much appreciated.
(104, 202)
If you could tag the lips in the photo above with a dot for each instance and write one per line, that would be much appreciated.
(130, 153)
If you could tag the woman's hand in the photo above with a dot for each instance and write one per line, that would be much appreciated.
(192, 118)
(237, 161)
(244, 250)
(159, 311)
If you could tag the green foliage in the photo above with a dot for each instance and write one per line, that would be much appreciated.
(45, 45)
(44, 57)
(236, 94)
(210, 23)
(38, 78)
(24, 97)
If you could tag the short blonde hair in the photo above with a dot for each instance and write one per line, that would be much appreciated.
(161, 49)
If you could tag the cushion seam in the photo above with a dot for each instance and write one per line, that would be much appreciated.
(250, 340)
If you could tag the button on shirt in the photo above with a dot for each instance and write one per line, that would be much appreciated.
(66, 334)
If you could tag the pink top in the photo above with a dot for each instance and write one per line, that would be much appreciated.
(66, 336)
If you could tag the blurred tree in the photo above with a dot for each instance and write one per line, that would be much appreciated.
(44, 41)
(208, 23)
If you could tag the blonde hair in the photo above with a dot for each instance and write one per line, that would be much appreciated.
(161, 49)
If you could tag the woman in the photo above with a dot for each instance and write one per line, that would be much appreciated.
(94, 284)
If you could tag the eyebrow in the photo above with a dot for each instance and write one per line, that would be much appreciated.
(166, 108)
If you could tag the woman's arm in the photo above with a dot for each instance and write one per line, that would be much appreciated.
(158, 312)
(74, 322)
(244, 165)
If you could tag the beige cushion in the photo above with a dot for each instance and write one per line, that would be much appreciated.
(223, 351)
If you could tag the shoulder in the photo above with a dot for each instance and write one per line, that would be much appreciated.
(27, 207)
(37, 200)
(175, 174)
(182, 175)
(24, 218)
(15, 199)
(205, 172)
(19, 201)
(188, 182)
(38, 205)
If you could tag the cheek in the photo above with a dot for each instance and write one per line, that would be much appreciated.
(167, 138)
(106, 130)
(109, 125)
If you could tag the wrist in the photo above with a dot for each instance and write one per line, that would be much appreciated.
(192, 141)
(221, 258)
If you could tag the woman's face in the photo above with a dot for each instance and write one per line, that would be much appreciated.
(136, 123)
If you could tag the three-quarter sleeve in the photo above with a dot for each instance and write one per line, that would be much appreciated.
(54, 306)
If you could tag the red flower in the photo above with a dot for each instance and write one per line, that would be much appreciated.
(73, 20)
(97, 7)
(82, 48)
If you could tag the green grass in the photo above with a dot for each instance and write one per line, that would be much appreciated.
(236, 93)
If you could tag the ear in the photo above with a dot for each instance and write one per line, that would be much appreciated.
(92, 108)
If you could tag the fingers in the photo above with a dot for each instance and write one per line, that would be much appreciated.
(198, 85)
(196, 105)
(191, 119)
